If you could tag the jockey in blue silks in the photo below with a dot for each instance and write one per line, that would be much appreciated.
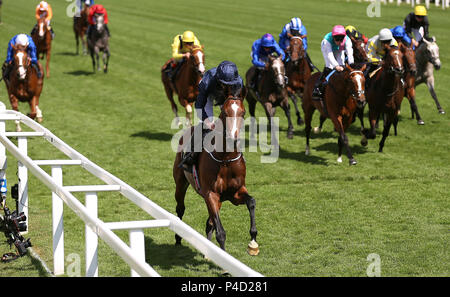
(400, 35)
(88, 3)
(295, 28)
(24, 40)
(261, 49)
(211, 92)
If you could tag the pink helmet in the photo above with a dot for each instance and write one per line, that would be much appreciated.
(338, 30)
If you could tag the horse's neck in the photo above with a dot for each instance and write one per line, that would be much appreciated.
(389, 80)
(422, 58)
(191, 72)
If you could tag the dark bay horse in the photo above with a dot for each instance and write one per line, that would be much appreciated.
(297, 71)
(409, 60)
(272, 93)
(220, 173)
(80, 25)
(24, 85)
(384, 95)
(42, 38)
(345, 91)
(98, 41)
(185, 83)
(427, 57)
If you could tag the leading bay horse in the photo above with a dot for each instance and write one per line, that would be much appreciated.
(297, 71)
(98, 41)
(186, 81)
(220, 172)
(42, 38)
(80, 25)
(345, 91)
(384, 95)
(272, 93)
(24, 85)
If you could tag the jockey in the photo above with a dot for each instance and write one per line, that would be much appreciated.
(211, 92)
(400, 35)
(87, 3)
(335, 47)
(26, 41)
(181, 51)
(294, 28)
(44, 10)
(352, 32)
(376, 48)
(417, 23)
(97, 9)
(261, 49)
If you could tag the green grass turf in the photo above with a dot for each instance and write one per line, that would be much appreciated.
(314, 217)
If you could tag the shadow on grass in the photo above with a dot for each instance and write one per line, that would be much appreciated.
(79, 72)
(171, 257)
(332, 147)
(153, 135)
(300, 156)
(66, 54)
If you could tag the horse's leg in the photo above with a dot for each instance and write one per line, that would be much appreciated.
(251, 108)
(389, 119)
(93, 59)
(47, 65)
(15, 106)
(297, 111)
(77, 42)
(181, 185)
(213, 203)
(32, 104)
(39, 117)
(97, 57)
(322, 119)
(106, 59)
(430, 85)
(411, 95)
(343, 141)
(169, 94)
(308, 112)
(287, 111)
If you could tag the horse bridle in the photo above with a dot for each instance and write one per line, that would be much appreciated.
(358, 93)
(196, 64)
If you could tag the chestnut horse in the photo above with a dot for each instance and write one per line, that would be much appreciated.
(409, 60)
(24, 85)
(343, 94)
(80, 25)
(384, 95)
(220, 174)
(185, 83)
(272, 92)
(42, 38)
(297, 71)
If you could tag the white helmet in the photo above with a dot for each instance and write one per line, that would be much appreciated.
(385, 34)
(22, 39)
(43, 5)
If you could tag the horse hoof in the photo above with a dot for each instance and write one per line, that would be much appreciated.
(39, 119)
(441, 111)
(253, 248)
(352, 162)
(339, 159)
(364, 142)
(307, 152)
(290, 135)
(300, 121)
(420, 122)
(317, 130)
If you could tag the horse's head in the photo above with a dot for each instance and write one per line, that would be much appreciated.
(276, 67)
(99, 22)
(296, 50)
(433, 52)
(232, 117)
(394, 60)
(42, 27)
(409, 58)
(358, 50)
(21, 61)
(198, 59)
(355, 75)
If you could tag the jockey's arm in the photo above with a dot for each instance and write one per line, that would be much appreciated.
(349, 51)
(255, 58)
(49, 13)
(328, 55)
(304, 35)
(279, 51)
(176, 48)
(32, 51)
(203, 105)
(372, 54)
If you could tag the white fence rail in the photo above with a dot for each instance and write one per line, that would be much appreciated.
(133, 255)
(443, 3)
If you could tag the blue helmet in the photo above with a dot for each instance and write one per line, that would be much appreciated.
(227, 73)
(267, 40)
(398, 31)
(295, 24)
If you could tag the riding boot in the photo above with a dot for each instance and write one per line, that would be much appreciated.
(89, 32)
(33, 30)
(6, 69)
(190, 157)
(174, 69)
(319, 86)
(53, 33)
(38, 71)
(107, 30)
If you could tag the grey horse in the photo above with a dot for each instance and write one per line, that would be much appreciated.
(98, 40)
(427, 58)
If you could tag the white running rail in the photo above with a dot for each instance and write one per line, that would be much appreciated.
(133, 255)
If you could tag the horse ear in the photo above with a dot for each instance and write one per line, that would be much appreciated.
(348, 66)
(364, 67)
(14, 47)
(433, 39)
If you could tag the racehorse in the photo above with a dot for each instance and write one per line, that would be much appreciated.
(384, 94)
(80, 25)
(220, 173)
(409, 60)
(297, 71)
(24, 85)
(272, 93)
(185, 83)
(98, 40)
(42, 38)
(360, 56)
(345, 91)
(427, 57)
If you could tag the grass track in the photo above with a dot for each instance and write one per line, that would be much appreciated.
(314, 217)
